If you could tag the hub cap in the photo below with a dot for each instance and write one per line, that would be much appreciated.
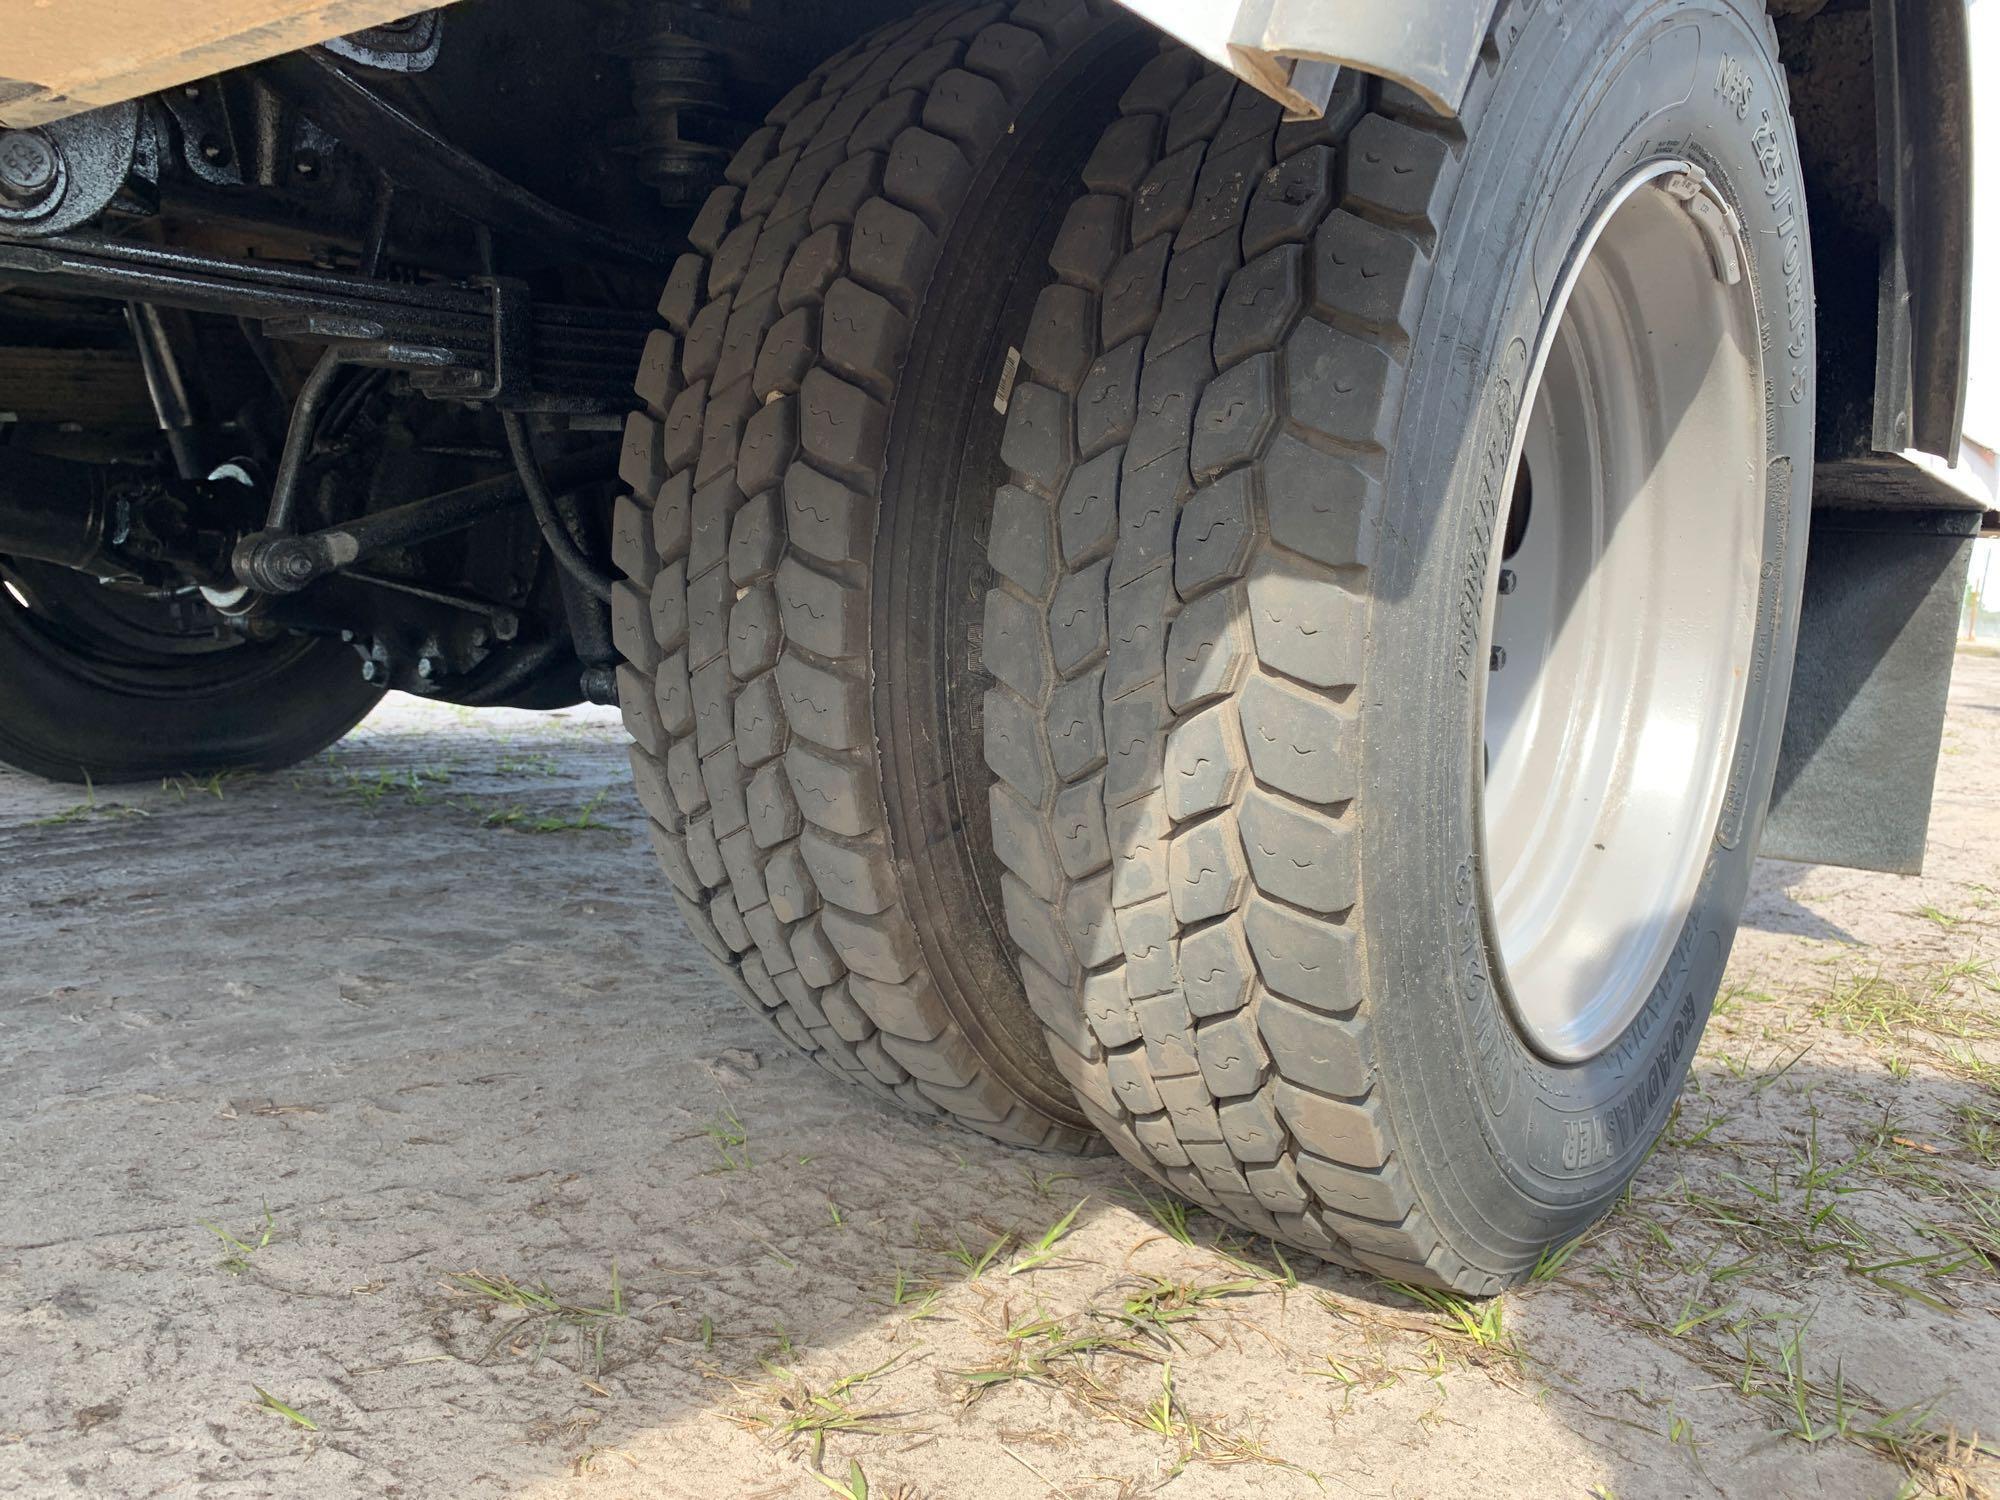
(1620, 609)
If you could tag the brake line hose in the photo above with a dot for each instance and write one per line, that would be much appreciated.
(561, 543)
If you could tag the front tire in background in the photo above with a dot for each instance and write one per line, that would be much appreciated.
(811, 478)
(98, 684)
(1274, 841)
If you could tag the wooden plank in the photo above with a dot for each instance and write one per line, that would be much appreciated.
(62, 57)
(94, 387)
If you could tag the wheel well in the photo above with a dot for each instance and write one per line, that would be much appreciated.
(1881, 102)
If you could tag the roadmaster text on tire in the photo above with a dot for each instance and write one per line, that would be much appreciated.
(804, 545)
(1401, 573)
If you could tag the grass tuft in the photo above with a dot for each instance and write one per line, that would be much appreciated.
(268, 1402)
(1043, 1250)
(541, 1317)
(853, 1487)
(789, 1409)
(90, 807)
(237, 1261)
(1480, 1324)
(731, 1140)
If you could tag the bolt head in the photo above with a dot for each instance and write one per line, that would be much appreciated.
(373, 671)
(1508, 581)
(1498, 659)
(428, 668)
(28, 165)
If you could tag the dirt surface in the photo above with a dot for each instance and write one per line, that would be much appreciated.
(392, 1088)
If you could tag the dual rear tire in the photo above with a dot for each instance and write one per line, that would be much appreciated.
(1167, 820)
(802, 549)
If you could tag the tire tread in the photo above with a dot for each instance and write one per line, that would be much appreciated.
(754, 469)
(1184, 884)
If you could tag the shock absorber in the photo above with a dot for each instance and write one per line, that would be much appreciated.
(682, 134)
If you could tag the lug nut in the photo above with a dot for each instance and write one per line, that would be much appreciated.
(1507, 580)
(374, 671)
(28, 167)
(1498, 659)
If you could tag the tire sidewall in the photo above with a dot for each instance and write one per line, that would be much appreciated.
(260, 706)
(1519, 1150)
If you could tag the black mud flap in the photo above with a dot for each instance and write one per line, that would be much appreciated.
(1877, 632)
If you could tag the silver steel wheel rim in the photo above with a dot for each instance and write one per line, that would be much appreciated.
(1620, 610)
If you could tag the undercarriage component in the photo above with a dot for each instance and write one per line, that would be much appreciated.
(55, 510)
(54, 178)
(282, 563)
(465, 342)
(702, 76)
(421, 161)
(684, 134)
(408, 44)
(537, 482)
(134, 529)
(468, 622)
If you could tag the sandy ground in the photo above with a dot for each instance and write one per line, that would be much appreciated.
(392, 1088)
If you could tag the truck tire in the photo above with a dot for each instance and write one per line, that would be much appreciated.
(803, 548)
(101, 686)
(1354, 949)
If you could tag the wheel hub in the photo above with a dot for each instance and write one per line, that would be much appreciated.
(1620, 609)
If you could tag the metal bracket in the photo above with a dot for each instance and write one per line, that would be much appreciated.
(421, 161)
(1716, 220)
(57, 177)
(410, 45)
(507, 379)
(1291, 49)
